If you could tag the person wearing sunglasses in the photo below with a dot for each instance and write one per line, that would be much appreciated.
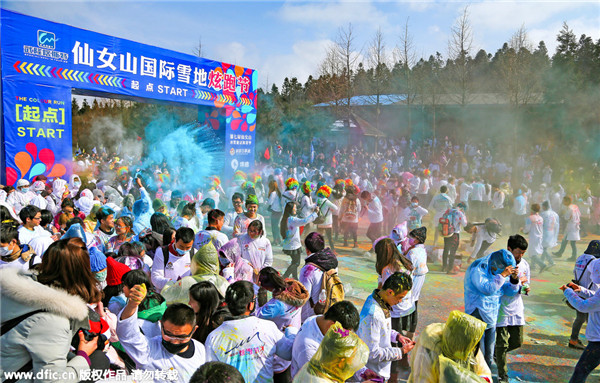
(174, 350)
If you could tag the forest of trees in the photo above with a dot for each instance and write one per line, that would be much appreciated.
(557, 93)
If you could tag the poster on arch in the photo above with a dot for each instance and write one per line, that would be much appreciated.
(37, 131)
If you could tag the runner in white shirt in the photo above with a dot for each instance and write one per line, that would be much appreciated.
(572, 217)
(216, 219)
(534, 226)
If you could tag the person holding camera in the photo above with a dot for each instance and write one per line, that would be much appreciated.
(587, 301)
(42, 312)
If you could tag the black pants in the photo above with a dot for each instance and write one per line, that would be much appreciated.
(589, 360)
(327, 231)
(336, 226)
(563, 246)
(450, 246)
(374, 231)
(580, 319)
(350, 229)
(409, 323)
(507, 339)
(293, 268)
(275, 219)
(283, 377)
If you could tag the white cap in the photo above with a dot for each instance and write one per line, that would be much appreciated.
(22, 182)
(39, 185)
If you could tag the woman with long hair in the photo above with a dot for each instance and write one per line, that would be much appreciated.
(276, 210)
(250, 252)
(284, 309)
(289, 228)
(46, 310)
(204, 299)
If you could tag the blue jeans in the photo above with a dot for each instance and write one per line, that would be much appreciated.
(487, 344)
(589, 360)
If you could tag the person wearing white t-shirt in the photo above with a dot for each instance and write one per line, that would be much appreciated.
(314, 328)
(511, 316)
(216, 219)
(572, 217)
(246, 342)
(31, 216)
(173, 352)
(178, 263)
(372, 205)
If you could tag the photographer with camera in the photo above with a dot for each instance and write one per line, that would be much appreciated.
(587, 301)
(41, 312)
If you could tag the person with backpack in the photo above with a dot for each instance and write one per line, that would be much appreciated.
(454, 220)
(324, 220)
(173, 262)
(317, 272)
(290, 232)
(284, 309)
(582, 274)
(349, 213)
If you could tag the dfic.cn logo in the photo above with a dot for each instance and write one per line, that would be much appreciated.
(46, 39)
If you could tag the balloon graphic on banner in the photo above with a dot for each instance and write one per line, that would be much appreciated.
(31, 149)
(23, 162)
(58, 170)
(47, 157)
(37, 169)
(11, 176)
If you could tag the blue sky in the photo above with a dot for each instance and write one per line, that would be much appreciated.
(282, 39)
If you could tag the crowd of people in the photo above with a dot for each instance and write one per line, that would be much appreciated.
(123, 273)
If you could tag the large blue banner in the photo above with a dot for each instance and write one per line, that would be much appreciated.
(46, 53)
(40, 118)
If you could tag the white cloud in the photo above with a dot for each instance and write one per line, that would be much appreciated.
(511, 15)
(333, 13)
(302, 62)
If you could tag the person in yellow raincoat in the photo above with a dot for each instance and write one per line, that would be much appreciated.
(205, 267)
(448, 352)
(339, 356)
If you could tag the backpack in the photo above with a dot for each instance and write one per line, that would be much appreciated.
(352, 212)
(334, 290)
(446, 226)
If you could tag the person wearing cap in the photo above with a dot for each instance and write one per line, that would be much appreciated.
(38, 200)
(240, 226)
(99, 266)
(21, 197)
(587, 301)
(582, 273)
(486, 280)
(417, 255)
